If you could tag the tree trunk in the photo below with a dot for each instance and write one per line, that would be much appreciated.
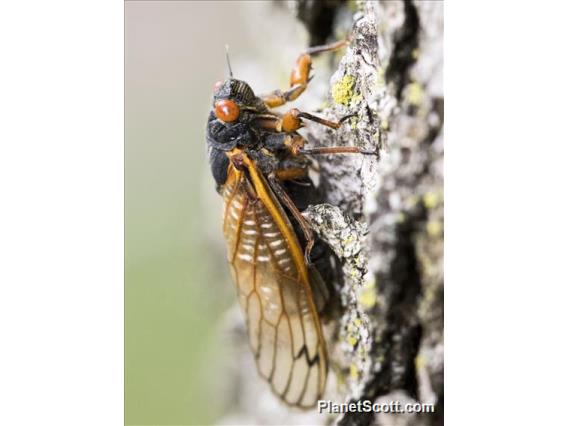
(384, 214)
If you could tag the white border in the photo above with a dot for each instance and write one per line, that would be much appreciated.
(61, 223)
(506, 213)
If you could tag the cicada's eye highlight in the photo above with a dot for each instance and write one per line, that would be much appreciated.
(226, 110)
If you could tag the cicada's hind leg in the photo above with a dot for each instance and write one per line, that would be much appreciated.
(300, 76)
(291, 206)
(296, 145)
(296, 192)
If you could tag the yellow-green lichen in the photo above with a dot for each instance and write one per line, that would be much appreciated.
(432, 199)
(352, 340)
(434, 228)
(384, 124)
(342, 91)
(353, 371)
(414, 93)
(419, 362)
(367, 295)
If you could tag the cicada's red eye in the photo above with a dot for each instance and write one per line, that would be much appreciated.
(226, 110)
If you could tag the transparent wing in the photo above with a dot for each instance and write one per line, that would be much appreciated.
(283, 326)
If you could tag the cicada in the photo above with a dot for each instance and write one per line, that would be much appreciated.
(260, 164)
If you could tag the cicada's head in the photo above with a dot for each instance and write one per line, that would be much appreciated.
(232, 100)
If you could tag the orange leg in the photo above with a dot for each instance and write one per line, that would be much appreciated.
(292, 121)
(300, 76)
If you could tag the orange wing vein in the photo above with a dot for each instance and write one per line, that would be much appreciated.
(273, 289)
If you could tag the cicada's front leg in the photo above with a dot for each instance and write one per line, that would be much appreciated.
(300, 76)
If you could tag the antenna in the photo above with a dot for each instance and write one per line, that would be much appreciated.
(228, 61)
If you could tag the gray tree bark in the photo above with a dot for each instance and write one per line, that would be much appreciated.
(383, 215)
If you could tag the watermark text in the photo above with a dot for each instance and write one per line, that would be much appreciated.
(375, 407)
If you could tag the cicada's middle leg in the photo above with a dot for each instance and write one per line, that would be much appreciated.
(292, 120)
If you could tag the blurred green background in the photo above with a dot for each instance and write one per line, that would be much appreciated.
(177, 285)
